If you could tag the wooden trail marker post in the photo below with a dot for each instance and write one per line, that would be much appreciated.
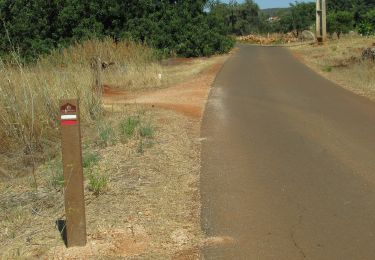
(73, 173)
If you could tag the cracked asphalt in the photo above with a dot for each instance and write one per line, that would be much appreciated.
(288, 165)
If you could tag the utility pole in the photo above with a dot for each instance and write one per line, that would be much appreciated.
(321, 20)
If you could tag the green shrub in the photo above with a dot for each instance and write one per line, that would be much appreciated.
(366, 28)
(182, 27)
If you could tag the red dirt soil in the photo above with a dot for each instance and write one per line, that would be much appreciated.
(188, 98)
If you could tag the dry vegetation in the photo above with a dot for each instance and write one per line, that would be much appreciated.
(29, 95)
(148, 208)
(141, 164)
(276, 38)
(341, 62)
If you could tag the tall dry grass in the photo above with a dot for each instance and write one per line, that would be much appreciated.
(30, 94)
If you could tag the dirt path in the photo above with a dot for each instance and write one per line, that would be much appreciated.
(188, 98)
(288, 162)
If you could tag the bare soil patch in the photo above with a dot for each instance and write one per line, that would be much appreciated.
(188, 97)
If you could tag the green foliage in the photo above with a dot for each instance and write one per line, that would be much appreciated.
(370, 17)
(340, 22)
(182, 27)
(147, 131)
(237, 18)
(128, 126)
(357, 8)
(106, 134)
(298, 17)
(367, 26)
(97, 183)
(90, 159)
(327, 68)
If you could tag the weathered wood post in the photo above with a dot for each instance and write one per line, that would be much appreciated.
(73, 173)
(321, 20)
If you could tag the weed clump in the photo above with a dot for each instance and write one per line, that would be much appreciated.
(127, 127)
(90, 159)
(97, 183)
(327, 68)
(146, 131)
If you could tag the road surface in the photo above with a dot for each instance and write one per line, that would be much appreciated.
(288, 165)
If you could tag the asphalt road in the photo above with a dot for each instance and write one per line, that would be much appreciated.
(288, 166)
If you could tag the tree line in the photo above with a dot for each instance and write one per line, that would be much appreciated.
(183, 27)
(343, 15)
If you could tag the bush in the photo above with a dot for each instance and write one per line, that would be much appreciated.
(181, 27)
(340, 22)
(367, 26)
(365, 29)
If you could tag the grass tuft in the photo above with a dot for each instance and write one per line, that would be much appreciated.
(97, 183)
(146, 131)
(327, 68)
(90, 159)
(106, 134)
(128, 126)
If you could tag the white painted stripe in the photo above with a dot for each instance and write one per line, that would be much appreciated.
(68, 117)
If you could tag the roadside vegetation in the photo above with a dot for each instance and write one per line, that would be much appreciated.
(287, 25)
(30, 94)
(340, 60)
(139, 162)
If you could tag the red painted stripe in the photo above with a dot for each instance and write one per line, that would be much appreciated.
(69, 122)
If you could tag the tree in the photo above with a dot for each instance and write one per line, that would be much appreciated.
(340, 22)
(303, 16)
(179, 26)
(239, 18)
(299, 17)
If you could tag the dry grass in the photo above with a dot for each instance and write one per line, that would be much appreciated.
(29, 95)
(179, 70)
(149, 207)
(340, 61)
(151, 203)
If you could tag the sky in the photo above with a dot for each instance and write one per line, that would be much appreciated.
(273, 3)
